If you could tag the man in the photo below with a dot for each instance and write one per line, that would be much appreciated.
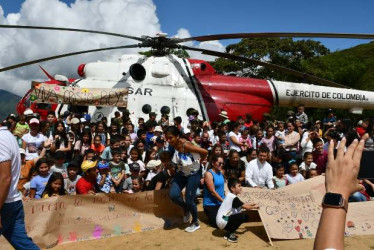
(152, 119)
(12, 224)
(87, 184)
(258, 172)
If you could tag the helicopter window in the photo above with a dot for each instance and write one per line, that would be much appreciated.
(165, 110)
(137, 72)
(44, 106)
(203, 66)
(78, 109)
(146, 108)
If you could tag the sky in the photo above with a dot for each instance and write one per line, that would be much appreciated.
(139, 17)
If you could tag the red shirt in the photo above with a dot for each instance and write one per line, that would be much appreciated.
(83, 186)
(360, 131)
(320, 160)
(98, 150)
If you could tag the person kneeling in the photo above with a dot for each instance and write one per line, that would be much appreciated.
(229, 216)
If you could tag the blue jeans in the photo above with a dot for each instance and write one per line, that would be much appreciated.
(357, 197)
(191, 183)
(13, 221)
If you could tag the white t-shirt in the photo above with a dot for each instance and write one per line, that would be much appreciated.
(294, 179)
(225, 210)
(32, 144)
(232, 144)
(9, 151)
(303, 166)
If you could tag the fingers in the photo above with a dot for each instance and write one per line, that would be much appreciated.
(351, 149)
(359, 187)
(341, 148)
(358, 152)
(331, 151)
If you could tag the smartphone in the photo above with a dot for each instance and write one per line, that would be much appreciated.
(367, 165)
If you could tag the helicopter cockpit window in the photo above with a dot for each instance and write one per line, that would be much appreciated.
(137, 72)
(44, 106)
(203, 66)
(146, 108)
(78, 109)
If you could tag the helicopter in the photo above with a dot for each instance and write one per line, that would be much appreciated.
(164, 83)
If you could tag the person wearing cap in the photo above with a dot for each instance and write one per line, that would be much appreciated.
(153, 167)
(33, 140)
(224, 116)
(134, 173)
(330, 120)
(87, 184)
(165, 173)
(12, 224)
(104, 178)
(152, 119)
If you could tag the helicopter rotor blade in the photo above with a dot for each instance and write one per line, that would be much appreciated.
(267, 65)
(275, 34)
(70, 29)
(66, 55)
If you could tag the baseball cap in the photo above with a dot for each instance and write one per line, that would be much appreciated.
(86, 165)
(28, 112)
(103, 165)
(75, 121)
(34, 120)
(152, 164)
(134, 167)
(158, 129)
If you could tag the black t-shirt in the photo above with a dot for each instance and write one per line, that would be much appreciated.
(163, 176)
(234, 171)
(236, 203)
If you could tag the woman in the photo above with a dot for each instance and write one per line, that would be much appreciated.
(234, 138)
(234, 167)
(188, 158)
(214, 190)
(61, 140)
(306, 143)
(291, 141)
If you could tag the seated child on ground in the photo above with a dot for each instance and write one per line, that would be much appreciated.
(73, 177)
(307, 164)
(312, 173)
(279, 179)
(294, 176)
(229, 216)
(104, 179)
(55, 186)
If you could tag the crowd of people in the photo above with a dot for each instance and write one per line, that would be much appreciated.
(69, 154)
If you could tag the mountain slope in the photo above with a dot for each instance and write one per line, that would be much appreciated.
(8, 103)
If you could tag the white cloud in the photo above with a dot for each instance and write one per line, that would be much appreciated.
(210, 45)
(132, 17)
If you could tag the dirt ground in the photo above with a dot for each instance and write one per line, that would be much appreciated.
(252, 235)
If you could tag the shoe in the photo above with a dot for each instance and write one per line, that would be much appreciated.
(227, 235)
(186, 217)
(232, 238)
(192, 228)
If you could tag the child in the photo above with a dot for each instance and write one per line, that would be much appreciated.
(21, 127)
(294, 176)
(97, 146)
(55, 186)
(59, 164)
(153, 166)
(319, 155)
(307, 164)
(229, 216)
(39, 182)
(73, 178)
(312, 173)
(104, 179)
(135, 157)
(245, 138)
(117, 170)
(114, 144)
(137, 185)
(280, 135)
(89, 155)
(134, 170)
(279, 179)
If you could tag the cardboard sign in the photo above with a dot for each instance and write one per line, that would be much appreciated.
(51, 93)
(293, 212)
(66, 219)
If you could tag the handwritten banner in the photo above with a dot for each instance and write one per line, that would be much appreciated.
(67, 219)
(51, 93)
(293, 212)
